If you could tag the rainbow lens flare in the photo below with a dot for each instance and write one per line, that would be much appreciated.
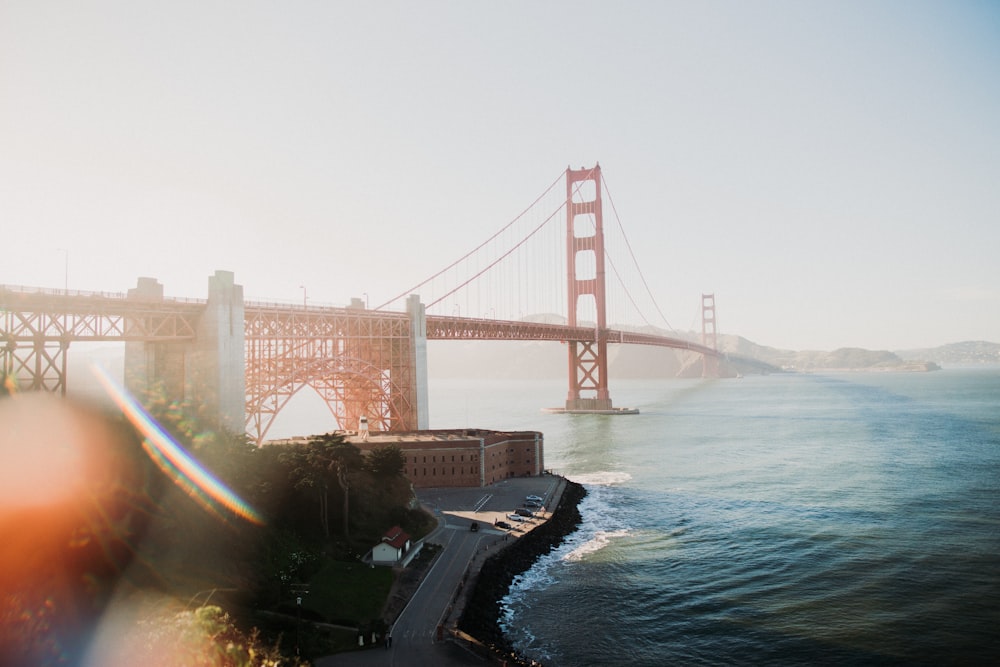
(174, 460)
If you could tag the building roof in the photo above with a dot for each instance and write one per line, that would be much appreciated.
(396, 537)
(455, 436)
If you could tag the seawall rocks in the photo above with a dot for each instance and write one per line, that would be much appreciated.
(482, 612)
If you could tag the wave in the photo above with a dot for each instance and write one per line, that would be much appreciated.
(602, 520)
(601, 478)
(600, 540)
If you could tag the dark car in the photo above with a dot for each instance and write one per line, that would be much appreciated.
(523, 512)
(502, 524)
(474, 527)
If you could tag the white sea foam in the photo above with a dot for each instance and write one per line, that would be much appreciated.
(600, 540)
(601, 478)
(601, 522)
(602, 519)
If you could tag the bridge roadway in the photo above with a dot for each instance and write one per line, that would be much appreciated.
(441, 327)
(360, 361)
(415, 633)
(94, 316)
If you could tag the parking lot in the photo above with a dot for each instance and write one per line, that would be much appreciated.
(486, 506)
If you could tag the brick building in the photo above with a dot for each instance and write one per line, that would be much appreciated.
(462, 457)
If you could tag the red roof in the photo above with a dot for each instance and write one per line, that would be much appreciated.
(395, 537)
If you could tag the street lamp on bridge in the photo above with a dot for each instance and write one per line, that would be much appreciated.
(305, 297)
(65, 269)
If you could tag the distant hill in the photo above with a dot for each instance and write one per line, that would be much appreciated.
(958, 354)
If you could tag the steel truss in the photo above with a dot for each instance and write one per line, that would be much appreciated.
(40, 325)
(359, 362)
(467, 328)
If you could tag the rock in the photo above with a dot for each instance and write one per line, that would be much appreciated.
(482, 613)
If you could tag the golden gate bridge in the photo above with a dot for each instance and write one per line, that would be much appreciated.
(543, 277)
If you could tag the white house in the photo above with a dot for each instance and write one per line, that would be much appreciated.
(394, 545)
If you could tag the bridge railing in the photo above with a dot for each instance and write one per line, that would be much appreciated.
(464, 328)
(112, 296)
(282, 304)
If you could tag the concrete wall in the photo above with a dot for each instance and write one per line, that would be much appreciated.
(154, 368)
(209, 373)
(418, 325)
(217, 368)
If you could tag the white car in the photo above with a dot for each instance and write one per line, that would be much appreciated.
(514, 517)
(537, 499)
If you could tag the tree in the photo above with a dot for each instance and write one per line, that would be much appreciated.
(387, 461)
(326, 459)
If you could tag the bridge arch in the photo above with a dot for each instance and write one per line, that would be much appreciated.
(350, 387)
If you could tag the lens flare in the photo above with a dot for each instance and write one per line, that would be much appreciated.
(42, 451)
(177, 463)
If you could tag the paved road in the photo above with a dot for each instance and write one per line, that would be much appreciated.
(415, 633)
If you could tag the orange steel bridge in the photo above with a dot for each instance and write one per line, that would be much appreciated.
(244, 360)
(361, 362)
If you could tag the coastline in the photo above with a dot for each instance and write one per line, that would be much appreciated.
(480, 619)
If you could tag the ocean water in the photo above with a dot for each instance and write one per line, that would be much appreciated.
(783, 519)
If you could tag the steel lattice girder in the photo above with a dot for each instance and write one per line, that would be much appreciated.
(39, 326)
(587, 361)
(39, 367)
(358, 361)
(95, 317)
(467, 328)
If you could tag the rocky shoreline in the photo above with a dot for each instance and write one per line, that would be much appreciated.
(481, 618)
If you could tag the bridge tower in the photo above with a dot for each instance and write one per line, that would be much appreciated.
(588, 360)
(710, 364)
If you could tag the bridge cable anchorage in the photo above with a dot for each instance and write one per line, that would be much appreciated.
(634, 260)
(474, 250)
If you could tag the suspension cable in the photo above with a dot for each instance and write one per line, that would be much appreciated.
(634, 261)
(477, 248)
(496, 261)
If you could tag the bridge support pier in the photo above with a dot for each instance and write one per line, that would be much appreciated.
(208, 372)
(218, 377)
(418, 355)
(153, 367)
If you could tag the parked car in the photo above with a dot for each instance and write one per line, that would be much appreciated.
(474, 527)
(503, 524)
(520, 511)
(532, 503)
(535, 498)
(514, 517)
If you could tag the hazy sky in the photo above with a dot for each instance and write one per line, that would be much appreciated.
(831, 171)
